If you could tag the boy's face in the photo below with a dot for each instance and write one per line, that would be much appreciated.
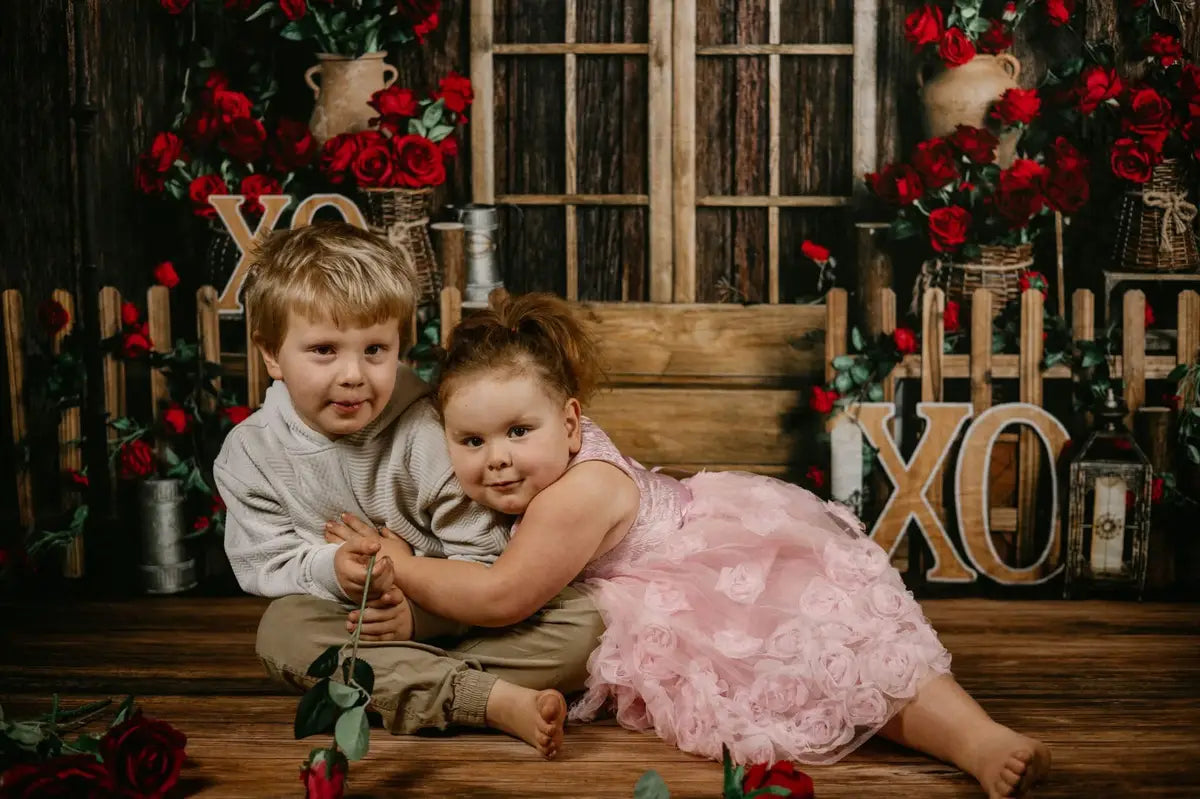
(509, 438)
(339, 379)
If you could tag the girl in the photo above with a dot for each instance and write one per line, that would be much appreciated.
(740, 610)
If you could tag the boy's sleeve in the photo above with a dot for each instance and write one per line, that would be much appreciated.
(269, 558)
(467, 530)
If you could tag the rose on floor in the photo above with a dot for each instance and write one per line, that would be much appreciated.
(759, 780)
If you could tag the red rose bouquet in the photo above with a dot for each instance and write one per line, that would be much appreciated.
(951, 32)
(408, 143)
(343, 27)
(224, 142)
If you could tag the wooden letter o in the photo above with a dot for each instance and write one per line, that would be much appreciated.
(307, 209)
(970, 486)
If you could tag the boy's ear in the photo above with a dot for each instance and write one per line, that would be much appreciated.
(574, 426)
(268, 358)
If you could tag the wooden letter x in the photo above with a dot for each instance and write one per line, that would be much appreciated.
(227, 205)
(943, 420)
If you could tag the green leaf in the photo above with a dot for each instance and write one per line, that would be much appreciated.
(415, 127)
(843, 382)
(292, 31)
(364, 675)
(172, 458)
(902, 228)
(439, 132)
(843, 362)
(352, 734)
(123, 711)
(770, 790)
(316, 712)
(875, 393)
(264, 9)
(1178, 372)
(433, 114)
(856, 339)
(344, 696)
(651, 786)
(326, 663)
(1193, 453)
(1092, 356)
(860, 373)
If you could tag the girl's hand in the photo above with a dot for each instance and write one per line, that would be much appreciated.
(348, 528)
(387, 618)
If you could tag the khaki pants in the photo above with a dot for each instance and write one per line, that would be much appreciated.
(421, 686)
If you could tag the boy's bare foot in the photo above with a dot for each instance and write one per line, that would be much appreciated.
(536, 717)
(1009, 764)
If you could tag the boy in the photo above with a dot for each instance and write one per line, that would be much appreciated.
(345, 428)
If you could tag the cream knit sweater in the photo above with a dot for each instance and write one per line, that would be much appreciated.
(281, 481)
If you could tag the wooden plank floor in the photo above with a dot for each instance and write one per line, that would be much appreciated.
(1113, 688)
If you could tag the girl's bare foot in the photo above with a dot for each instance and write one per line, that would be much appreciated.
(536, 717)
(1009, 764)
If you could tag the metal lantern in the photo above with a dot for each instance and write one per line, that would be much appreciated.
(482, 224)
(1108, 527)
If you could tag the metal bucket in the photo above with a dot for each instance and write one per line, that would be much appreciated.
(482, 226)
(165, 567)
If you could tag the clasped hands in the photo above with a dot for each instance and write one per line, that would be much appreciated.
(387, 616)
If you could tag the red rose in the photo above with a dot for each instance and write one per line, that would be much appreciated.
(1064, 155)
(1165, 46)
(905, 341)
(165, 150)
(146, 177)
(1157, 488)
(144, 755)
(455, 90)
(129, 314)
(1097, 84)
(255, 186)
(977, 144)
(1172, 401)
(1017, 106)
(293, 9)
(199, 190)
(1067, 190)
(1131, 160)
(175, 6)
(218, 504)
(337, 155)
(948, 228)
(71, 776)
(1189, 82)
(137, 460)
(373, 166)
(201, 127)
(821, 400)
(229, 105)
(78, 479)
(1149, 316)
(244, 139)
(419, 162)
(201, 523)
(814, 251)
(417, 10)
(1019, 192)
(395, 102)
(293, 146)
(53, 316)
(236, 413)
(1147, 112)
(165, 275)
(425, 27)
(1033, 280)
(950, 321)
(1059, 11)
(997, 38)
(955, 48)
(816, 477)
(176, 419)
(136, 343)
(934, 162)
(924, 26)
(324, 774)
(782, 775)
(449, 146)
(898, 184)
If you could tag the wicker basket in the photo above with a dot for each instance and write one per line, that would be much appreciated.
(1154, 231)
(402, 217)
(998, 270)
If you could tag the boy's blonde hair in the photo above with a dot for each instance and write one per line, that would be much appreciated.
(327, 270)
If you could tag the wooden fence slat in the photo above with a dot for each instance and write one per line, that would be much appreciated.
(114, 367)
(1133, 352)
(570, 131)
(158, 316)
(1029, 447)
(451, 312)
(208, 328)
(70, 454)
(981, 350)
(887, 326)
(865, 69)
(483, 117)
(1189, 327)
(256, 369)
(1083, 315)
(933, 313)
(684, 163)
(836, 324)
(660, 78)
(14, 339)
(774, 101)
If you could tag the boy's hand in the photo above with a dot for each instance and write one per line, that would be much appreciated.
(387, 618)
(350, 565)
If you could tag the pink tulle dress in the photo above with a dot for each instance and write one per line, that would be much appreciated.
(745, 611)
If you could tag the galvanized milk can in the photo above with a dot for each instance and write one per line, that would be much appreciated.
(165, 567)
(481, 224)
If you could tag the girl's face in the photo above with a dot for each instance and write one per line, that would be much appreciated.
(509, 437)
